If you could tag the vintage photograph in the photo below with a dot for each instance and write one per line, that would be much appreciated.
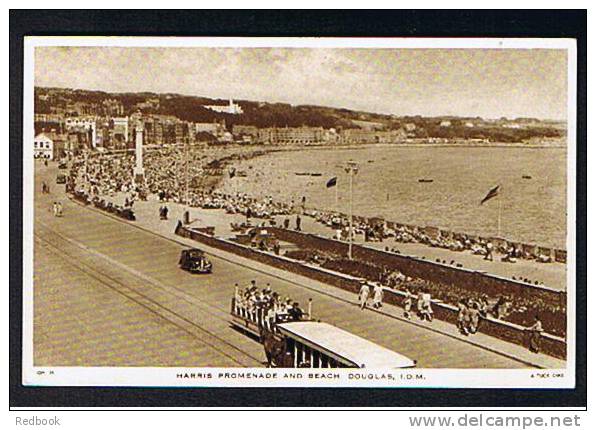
(299, 212)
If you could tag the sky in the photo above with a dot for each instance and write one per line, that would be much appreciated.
(489, 83)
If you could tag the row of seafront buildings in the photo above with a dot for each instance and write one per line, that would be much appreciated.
(71, 134)
(314, 135)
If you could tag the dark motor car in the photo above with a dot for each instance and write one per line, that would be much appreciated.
(61, 178)
(195, 261)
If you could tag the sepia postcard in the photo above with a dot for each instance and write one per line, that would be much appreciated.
(299, 212)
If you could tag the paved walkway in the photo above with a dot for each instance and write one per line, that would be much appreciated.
(147, 218)
(553, 275)
(138, 262)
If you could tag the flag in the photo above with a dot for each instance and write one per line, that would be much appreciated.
(492, 193)
(332, 182)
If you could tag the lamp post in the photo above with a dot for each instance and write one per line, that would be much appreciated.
(186, 204)
(351, 168)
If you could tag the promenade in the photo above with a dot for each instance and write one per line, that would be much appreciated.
(552, 275)
(436, 344)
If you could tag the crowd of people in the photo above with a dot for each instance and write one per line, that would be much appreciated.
(265, 307)
(376, 229)
(240, 203)
(166, 170)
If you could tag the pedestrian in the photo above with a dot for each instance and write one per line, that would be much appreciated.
(474, 313)
(420, 305)
(461, 317)
(377, 296)
(408, 305)
(286, 223)
(298, 223)
(427, 310)
(55, 208)
(363, 295)
(535, 335)
(489, 251)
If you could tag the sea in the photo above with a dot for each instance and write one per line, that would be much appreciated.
(531, 203)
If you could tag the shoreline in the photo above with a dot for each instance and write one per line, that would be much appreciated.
(263, 150)
(516, 145)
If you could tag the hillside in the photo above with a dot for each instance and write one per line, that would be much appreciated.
(263, 114)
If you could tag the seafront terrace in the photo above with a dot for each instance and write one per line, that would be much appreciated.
(552, 275)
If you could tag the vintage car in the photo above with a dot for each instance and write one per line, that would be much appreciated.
(61, 178)
(195, 261)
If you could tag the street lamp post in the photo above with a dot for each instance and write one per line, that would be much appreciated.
(186, 203)
(351, 169)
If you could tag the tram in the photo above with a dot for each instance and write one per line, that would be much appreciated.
(314, 344)
(307, 343)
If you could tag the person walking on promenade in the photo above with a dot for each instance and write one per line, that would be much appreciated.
(298, 223)
(427, 310)
(363, 295)
(474, 313)
(461, 317)
(287, 223)
(420, 305)
(489, 251)
(408, 305)
(535, 335)
(377, 296)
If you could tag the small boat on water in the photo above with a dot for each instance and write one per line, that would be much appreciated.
(526, 177)
(425, 180)
(307, 174)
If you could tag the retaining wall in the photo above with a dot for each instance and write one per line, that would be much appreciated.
(513, 333)
(474, 281)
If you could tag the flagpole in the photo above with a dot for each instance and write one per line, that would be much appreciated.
(351, 215)
(499, 219)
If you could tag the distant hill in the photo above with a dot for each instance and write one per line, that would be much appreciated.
(263, 114)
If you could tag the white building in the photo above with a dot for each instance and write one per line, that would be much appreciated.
(231, 108)
(48, 145)
(87, 123)
(214, 128)
(121, 127)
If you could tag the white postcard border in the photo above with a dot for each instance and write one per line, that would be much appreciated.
(171, 377)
